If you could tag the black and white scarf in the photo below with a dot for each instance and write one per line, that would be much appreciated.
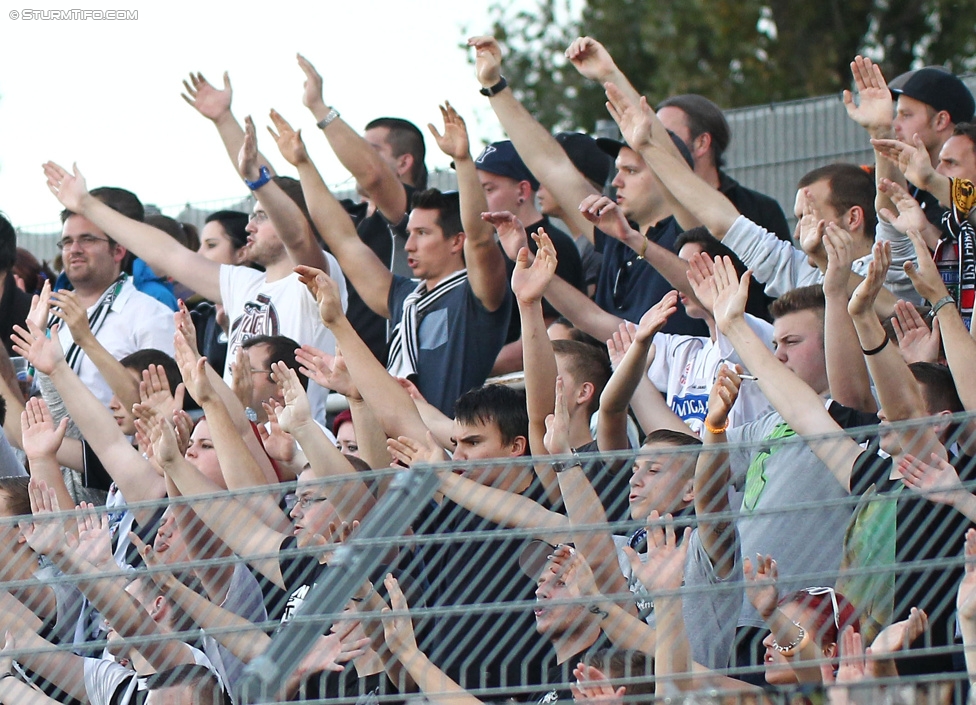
(96, 319)
(404, 344)
(963, 239)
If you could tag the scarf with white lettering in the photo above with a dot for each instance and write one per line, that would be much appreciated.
(955, 256)
(404, 344)
(95, 319)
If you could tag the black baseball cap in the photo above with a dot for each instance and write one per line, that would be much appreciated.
(502, 159)
(586, 155)
(939, 88)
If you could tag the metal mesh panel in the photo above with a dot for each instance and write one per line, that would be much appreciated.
(485, 601)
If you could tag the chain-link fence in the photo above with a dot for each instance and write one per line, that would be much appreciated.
(493, 579)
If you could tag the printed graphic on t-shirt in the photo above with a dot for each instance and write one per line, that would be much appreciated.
(259, 318)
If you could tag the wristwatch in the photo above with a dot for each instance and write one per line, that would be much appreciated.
(496, 89)
(559, 466)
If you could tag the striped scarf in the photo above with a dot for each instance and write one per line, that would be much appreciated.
(96, 319)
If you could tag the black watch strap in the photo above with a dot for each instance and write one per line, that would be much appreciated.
(496, 89)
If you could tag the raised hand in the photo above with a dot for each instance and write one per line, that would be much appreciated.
(454, 141)
(916, 341)
(606, 215)
(731, 293)
(839, 245)
(248, 163)
(862, 300)
(241, 382)
(723, 395)
(210, 102)
(296, 412)
(511, 232)
(398, 630)
(325, 291)
(69, 188)
(41, 438)
(620, 343)
(910, 215)
(328, 371)
(556, 439)
(593, 685)
(185, 327)
(875, 109)
(811, 226)
(912, 159)
(900, 635)
(591, 59)
(43, 353)
(664, 568)
(94, 539)
(289, 141)
(277, 441)
(410, 451)
(194, 371)
(701, 270)
(966, 594)
(923, 272)
(312, 97)
(852, 668)
(935, 479)
(44, 534)
(573, 568)
(761, 584)
(656, 317)
(330, 653)
(41, 306)
(529, 281)
(636, 120)
(154, 391)
(162, 435)
(70, 310)
(488, 60)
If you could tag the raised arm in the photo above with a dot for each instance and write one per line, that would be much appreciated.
(847, 374)
(960, 348)
(799, 405)
(133, 474)
(394, 409)
(287, 218)
(377, 178)
(540, 151)
(368, 274)
(899, 393)
(351, 497)
(529, 283)
(158, 249)
(215, 105)
(875, 112)
(42, 440)
(912, 161)
(484, 259)
(707, 205)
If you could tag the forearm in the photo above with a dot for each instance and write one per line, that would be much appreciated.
(369, 435)
(897, 389)
(703, 202)
(118, 377)
(544, 157)
(48, 469)
(131, 472)
(591, 529)
(232, 135)
(473, 202)
(652, 411)
(611, 430)
(672, 653)
(436, 685)
(505, 508)
(16, 692)
(712, 508)
(539, 363)
(395, 410)
(968, 629)
(960, 352)
(581, 311)
(291, 227)
(847, 373)
(623, 629)
(237, 463)
(351, 497)
(54, 665)
(359, 157)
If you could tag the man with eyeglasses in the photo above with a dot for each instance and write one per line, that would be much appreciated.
(123, 319)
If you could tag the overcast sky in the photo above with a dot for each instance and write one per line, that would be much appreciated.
(107, 93)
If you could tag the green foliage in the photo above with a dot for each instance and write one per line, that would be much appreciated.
(736, 52)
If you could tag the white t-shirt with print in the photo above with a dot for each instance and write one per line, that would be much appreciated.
(256, 306)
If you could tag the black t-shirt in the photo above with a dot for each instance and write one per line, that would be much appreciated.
(477, 648)
(924, 531)
(610, 480)
(347, 684)
(560, 675)
(628, 286)
(14, 307)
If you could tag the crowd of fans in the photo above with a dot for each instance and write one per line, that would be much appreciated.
(754, 547)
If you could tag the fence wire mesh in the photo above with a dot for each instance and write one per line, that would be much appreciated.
(479, 581)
